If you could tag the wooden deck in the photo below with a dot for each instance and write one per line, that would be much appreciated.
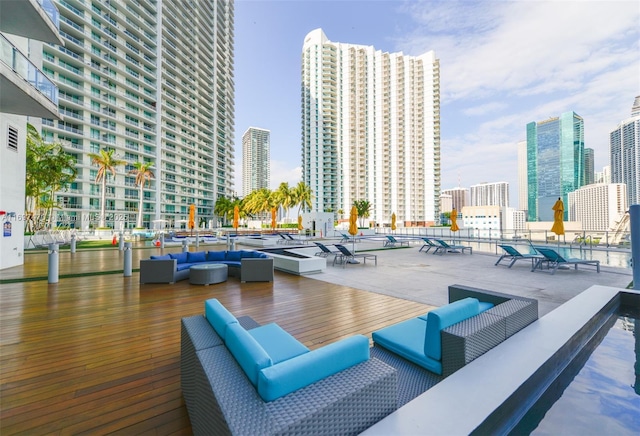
(100, 354)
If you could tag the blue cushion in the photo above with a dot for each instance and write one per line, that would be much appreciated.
(246, 254)
(278, 380)
(215, 255)
(233, 256)
(406, 339)
(483, 305)
(183, 266)
(237, 264)
(218, 316)
(198, 256)
(247, 351)
(162, 257)
(180, 257)
(278, 343)
(443, 317)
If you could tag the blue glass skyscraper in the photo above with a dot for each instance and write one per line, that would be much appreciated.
(555, 162)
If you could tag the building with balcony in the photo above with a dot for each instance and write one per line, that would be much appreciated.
(490, 194)
(152, 80)
(26, 95)
(599, 206)
(371, 130)
(256, 166)
(624, 148)
(460, 198)
(555, 163)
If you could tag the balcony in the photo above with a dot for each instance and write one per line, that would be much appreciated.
(26, 90)
(33, 19)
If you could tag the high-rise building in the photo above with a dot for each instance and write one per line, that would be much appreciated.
(153, 81)
(26, 95)
(603, 176)
(459, 197)
(589, 171)
(371, 129)
(522, 177)
(598, 206)
(555, 162)
(624, 147)
(255, 160)
(490, 194)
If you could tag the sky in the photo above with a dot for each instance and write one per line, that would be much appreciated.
(503, 64)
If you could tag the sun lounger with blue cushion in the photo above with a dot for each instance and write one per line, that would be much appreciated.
(391, 241)
(448, 248)
(510, 253)
(429, 244)
(555, 260)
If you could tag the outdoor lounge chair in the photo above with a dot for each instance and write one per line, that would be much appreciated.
(555, 260)
(324, 250)
(392, 242)
(513, 254)
(430, 244)
(348, 238)
(345, 256)
(447, 248)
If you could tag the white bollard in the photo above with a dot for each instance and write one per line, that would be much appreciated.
(53, 263)
(185, 246)
(127, 259)
(121, 242)
(73, 243)
(162, 241)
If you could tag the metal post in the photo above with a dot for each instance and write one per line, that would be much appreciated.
(197, 240)
(73, 243)
(162, 241)
(53, 263)
(121, 242)
(634, 225)
(233, 244)
(185, 246)
(127, 259)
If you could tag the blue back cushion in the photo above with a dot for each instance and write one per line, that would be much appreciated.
(233, 255)
(246, 254)
(163, 257)
(218, 316)
(443, 317)
(213, 256)
(247, 351)
(180, 257)
(277, 342)
(199, 256)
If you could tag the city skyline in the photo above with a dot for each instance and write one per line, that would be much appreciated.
(498, 72)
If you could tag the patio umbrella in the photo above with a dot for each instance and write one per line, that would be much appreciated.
(454, 219)
(558, 217)
(393, 221)
(273, 218)
(192, 216)
(353, 227)
(236, 217)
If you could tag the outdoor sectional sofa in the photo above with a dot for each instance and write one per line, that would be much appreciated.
(449, 337)
(250, 266)
(241, 378)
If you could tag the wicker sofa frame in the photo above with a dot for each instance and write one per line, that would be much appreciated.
(221, 400)
(166, 271)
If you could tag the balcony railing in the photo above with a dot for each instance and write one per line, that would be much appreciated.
(19, 63)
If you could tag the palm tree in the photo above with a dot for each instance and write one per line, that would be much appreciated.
(258, 201)
(302, 196)
(223, 208)
(143, 173)
(283, 197)
(107, 163)
(364, 208)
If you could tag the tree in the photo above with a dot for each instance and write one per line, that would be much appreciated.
(48, 169)
(143, 173)
(258, 201)
(223, 208)
(302, 195)
(283, 197)
(107, 163)
(364, 208)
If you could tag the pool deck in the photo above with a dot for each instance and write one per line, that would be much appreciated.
(100, 353)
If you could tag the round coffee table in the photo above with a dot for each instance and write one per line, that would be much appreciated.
(208, 273)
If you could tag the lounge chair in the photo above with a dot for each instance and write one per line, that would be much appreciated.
(392, 242)
(555, 260)
(514, 255)
(324, 250)
(430, 244)
(345, 256)
(348, 238)
(448, 248)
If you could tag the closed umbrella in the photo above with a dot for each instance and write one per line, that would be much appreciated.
(236, 217)
(393, 221)
(353, 229)
(454, 220)
(558, 217)
(192, 216)
(273, 218)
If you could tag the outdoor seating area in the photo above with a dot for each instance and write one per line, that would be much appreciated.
(555, 261)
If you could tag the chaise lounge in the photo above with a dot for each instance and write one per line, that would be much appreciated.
(511, 253)
(555, 260)
(391, 241)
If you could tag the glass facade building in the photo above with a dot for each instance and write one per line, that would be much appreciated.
(256, 172)
(624, 147)
(555, 163)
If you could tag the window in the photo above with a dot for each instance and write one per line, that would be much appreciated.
(12, 138)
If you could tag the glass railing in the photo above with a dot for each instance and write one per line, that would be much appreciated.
(19, 63)
(51, 10)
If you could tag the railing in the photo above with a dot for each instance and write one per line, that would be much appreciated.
(19, 63)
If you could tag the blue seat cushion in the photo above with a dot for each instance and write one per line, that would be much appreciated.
(247, 351)
(183, 266)
(483, 305)
(406, 339)
(233, 256)
(278, 343)
(180, 257)
(218, 316)
(443, 317)
(216, 255)
(247, 254)
(162, 257)
(198, 256)
(285, 377)
(237, 264)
